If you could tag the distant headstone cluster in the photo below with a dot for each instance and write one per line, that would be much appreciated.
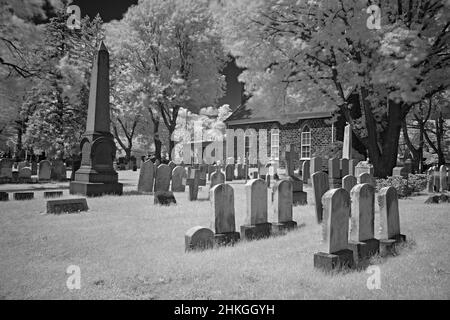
(32, 172)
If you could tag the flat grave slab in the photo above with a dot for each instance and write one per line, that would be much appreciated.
(74, 205)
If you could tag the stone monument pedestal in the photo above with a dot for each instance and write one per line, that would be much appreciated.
(332, 261)
(363, 250)
(387, 246)
(256, 231)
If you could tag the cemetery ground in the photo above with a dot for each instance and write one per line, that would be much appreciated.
(128, 248)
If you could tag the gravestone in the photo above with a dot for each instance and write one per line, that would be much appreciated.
(362, 240)
(334, 173)
(430, 180)
(299, 197)
(305, 171)
(34, 168)
(282, 207)
(255, 223)
(22, 164)
(192, 182)
(437, 179)
(344, 167)
(216, 178)
(389, 220)
(348, 182)
(290, 156)
(67, 206)
(178, 174)
(146, 177)
(255, 174)
(6, 168)
(211, 170)
(53, 194)
(203, 174)
(336, 213)
(96, 175)
(315, 165)
(319, 186)
(45, 170)
(443, 178)
(229, 172)
(25, 174)
(23, 195)
(222, 201)
(347, 146)
(162, 178)
(4, 196)
(199, 238)
(165, 198)
(364, 178)
(400, 172)
(363, 167)
(58, 172)
(352, 163)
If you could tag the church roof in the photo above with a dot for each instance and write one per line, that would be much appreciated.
(247, 115)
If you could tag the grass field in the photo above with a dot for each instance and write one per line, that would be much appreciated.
(127, 248)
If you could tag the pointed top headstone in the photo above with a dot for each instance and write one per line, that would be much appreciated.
(98, 111)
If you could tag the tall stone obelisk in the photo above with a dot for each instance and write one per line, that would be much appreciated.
(96, 175)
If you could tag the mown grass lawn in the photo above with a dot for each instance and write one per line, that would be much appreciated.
(127, 248)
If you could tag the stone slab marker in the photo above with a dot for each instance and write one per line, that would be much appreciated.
(336, 213)
(282, 207)
(4, 196)
(6, 169)
(255, 224)
(443, 178)
(199, 238)
(162, 178)
(25, 174)
(59, 171)
(348, 182)
(315, 165)
(229, 172)
(222, 201)
(389, 220)
(305, 171)
(193, 182)
(430, 180)
(334, 173)
(320, 185)
(437, 180)
(347, 147)
(344, 167)
(362, 240)
(365, 178)
(23, 195)
(178, 174)
(146, 177)
(96, 175)
(352, 163)
(216, 178)
(67, 206)
(45, 170)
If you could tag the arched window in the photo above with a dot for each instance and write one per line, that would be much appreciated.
(306, 143)
(275, 144)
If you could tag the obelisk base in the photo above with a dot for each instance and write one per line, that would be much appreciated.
(95, 189)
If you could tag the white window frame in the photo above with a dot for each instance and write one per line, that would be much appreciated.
(275, 144)
(305, 141)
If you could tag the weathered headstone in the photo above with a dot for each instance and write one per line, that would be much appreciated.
(430, 180)
(362, 240)
(400, 172)
(162, 178)
(34, 168)
(67, 206)
(6, 168)
(199, 238)
(45, 170)
(299, 197)
(443, 178)
(362, 167)
(192, 182)
(320, 185)
(305, 171)
(282, 207)
(217, 178)
(222, 200)
(348, 182)
(178, 174)
(334, 173)
(229, 172)
(343, 164)
(25, 174)
(437, 179)
(364, 178)
(389, 220)
(352, 163)
(146, 177)
(347, 147)
(315, 165)
(58, 172)
(336, 213)
(255, 224)
(96, 175)
(290, 156)
(165, 198)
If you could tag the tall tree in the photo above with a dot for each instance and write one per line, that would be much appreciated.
(176, 55)
(326, 55)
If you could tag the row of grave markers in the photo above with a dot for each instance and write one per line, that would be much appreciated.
(438, 179)
(45, 170)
